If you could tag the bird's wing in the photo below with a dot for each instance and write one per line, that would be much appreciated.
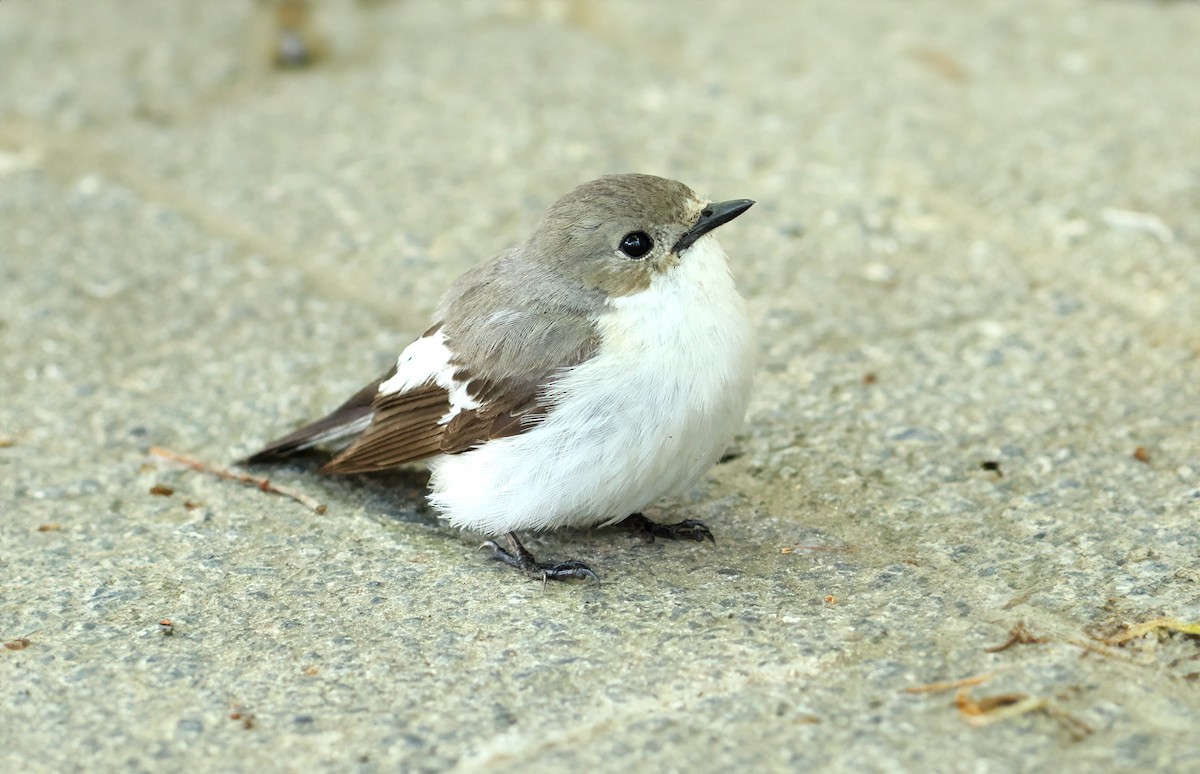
(405, 427)
(480, 374)
(442, 400)
(430, 419)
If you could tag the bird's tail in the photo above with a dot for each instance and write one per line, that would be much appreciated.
(339, 428)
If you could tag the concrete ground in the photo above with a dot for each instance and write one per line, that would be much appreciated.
(976, 242)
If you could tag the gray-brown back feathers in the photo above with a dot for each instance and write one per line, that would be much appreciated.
(513, 324)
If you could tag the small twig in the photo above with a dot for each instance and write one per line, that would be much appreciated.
(1018, 635)
(1137, 631)
(993, 709)
(241, 478)
(966, 682)
(1074, 726)
(793, 549)
(1099, 650)
(21, 643)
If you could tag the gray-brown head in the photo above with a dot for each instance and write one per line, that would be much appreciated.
(615, 233)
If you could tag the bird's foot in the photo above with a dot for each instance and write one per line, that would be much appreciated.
(688, 529)
(518, 556)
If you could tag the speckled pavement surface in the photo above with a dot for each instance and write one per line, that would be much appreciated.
(976, 241)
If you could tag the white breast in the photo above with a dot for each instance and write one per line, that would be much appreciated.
(645, 417)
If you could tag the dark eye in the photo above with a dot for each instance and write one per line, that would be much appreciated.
(636, 244)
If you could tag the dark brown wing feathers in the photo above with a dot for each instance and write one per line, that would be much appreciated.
(405, 428)
(504, 410)
(511, 340)
(408, 426)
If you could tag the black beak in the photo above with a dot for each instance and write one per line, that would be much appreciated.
(713, 215)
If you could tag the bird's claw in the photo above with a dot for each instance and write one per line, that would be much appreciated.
(521, 559)
(688, 529)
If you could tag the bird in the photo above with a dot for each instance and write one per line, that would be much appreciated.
(571, 380)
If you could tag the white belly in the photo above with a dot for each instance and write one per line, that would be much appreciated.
(645, 417)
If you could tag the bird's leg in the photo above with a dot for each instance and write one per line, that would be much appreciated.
(688, 529)
(518, 556)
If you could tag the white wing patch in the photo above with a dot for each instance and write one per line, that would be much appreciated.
(428, 360)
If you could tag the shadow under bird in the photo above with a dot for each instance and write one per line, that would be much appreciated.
(568, 381)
